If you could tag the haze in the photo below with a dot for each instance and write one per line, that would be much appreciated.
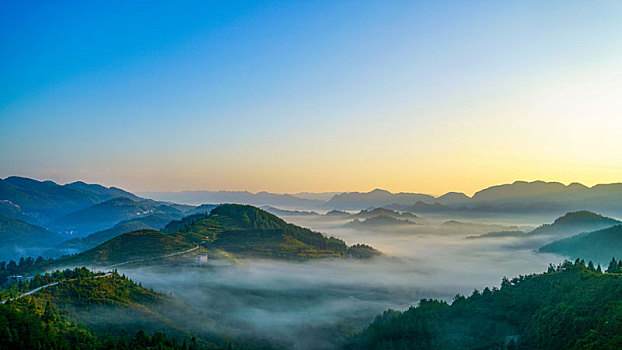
(304, 305)
(298, 96)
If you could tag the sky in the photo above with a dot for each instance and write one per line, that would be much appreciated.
(290, 96)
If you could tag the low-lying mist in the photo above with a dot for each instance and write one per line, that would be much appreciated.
(315, 304)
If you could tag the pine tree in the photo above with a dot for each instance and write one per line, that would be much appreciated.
(48, 314)
(613, 266)
(590, 266)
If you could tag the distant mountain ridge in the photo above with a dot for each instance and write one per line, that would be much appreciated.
(47, 200)
(104, 215)
(375, 198)
(42, 201)
(519, 196)
(239, 197)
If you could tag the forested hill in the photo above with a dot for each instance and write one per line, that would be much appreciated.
(573, 306)
(249, 231)
(79, 309)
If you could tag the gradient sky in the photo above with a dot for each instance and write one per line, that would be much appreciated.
(312, 95)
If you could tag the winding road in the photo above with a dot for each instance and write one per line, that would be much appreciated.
(100, 276)
(48, 285)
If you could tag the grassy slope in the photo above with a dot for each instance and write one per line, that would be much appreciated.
(153, 221)
(127, 247)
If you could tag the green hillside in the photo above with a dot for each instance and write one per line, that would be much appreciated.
(571, 307)
(137, 245)
(599, 246)
(85, 310)
(76, 245)
(249, 231)
(19, 238)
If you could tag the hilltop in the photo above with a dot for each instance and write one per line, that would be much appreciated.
(245, 230)
(575, 222)
(136, 245)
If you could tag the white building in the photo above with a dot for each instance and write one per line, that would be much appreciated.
(200, 259)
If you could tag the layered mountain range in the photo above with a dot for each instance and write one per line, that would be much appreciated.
(42, 216)
(518, 197)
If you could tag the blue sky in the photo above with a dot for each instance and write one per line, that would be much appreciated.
(316, 96)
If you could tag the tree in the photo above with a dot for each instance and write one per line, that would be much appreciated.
(590, 266)
(48, 314)
(613, 266)
(12, 266)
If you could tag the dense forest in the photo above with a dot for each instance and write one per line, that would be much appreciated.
(571, 306)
